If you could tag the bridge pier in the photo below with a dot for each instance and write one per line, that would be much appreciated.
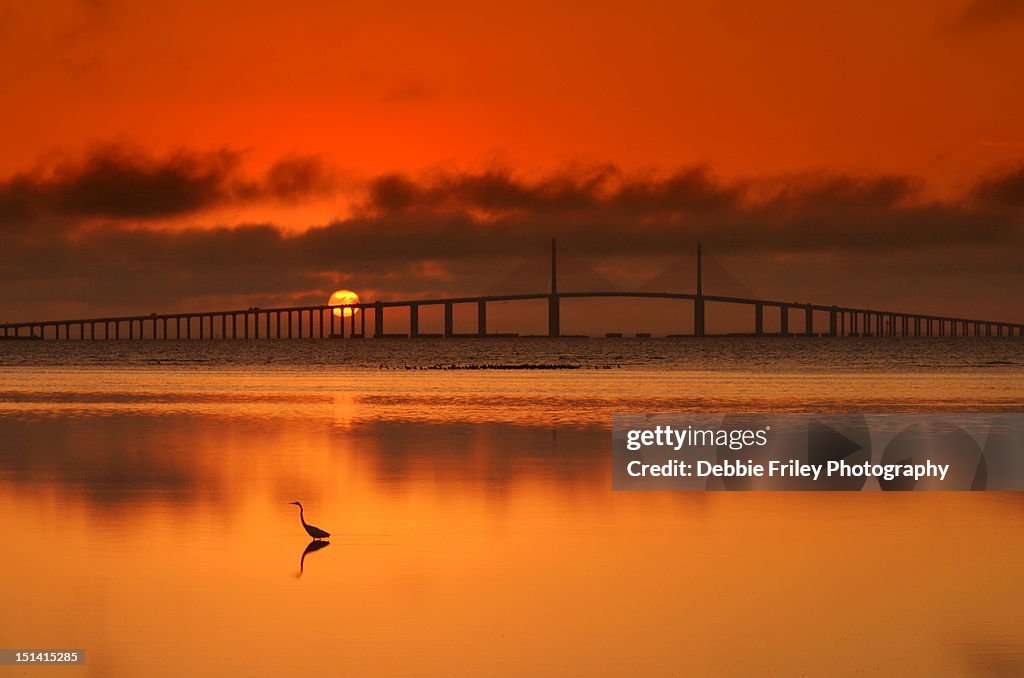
(257, 323)
(414, 320)
(554, 316)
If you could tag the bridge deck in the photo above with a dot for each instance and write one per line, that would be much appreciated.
(316, 320)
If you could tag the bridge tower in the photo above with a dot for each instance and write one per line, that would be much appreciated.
(554, 325)
(698, 302)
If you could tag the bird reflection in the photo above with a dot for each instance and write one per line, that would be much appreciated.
(314, 545)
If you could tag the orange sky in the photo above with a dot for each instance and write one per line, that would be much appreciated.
(747, 87)
(931, 93)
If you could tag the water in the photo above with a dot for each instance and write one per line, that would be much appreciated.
(144, 493)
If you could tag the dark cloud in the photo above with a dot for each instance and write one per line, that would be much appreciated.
(1005, 189)
(291, 179)
(461, 231)
(990, 13)
(832, 191)
(113, 182)
(499, 192)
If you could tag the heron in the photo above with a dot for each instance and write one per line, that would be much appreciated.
(311, 530)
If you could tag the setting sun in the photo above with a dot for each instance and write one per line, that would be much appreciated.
(344, 298)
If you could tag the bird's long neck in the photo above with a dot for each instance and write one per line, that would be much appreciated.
(301, 517)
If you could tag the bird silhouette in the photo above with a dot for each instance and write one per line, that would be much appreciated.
(311, 530)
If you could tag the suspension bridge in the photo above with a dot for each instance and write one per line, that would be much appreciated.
(794, 319)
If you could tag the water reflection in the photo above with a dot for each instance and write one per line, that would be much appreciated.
(187, 461)
(506, 552)
(314, 545)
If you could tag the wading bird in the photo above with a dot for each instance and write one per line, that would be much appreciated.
(311, 530)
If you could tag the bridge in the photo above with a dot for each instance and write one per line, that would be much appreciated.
(326, 321)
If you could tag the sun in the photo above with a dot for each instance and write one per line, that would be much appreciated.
(344, 298)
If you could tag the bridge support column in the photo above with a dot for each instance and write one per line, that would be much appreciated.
(414, 320)
(784, 320)
(378, 320)
(809, 320)
(362, 323)
(759, 319)
(698, 316)
(449, 320)
(833, 322)
(481, 318)
(554, 316)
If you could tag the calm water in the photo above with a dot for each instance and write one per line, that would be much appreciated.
(144, 493)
